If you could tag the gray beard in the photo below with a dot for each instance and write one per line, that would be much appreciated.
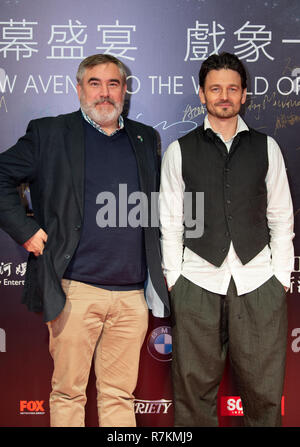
(101, 117)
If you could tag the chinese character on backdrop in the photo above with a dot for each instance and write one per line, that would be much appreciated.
(17, 37)
(116, 40)
(68, 40)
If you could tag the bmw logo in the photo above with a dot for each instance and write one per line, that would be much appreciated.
(159, 344)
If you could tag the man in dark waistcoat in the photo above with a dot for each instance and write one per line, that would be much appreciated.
(227, 282)
(89, 259)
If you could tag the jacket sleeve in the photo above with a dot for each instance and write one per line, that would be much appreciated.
(157, 158)
(18, 165)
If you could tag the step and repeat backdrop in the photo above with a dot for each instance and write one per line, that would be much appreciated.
(163, 44)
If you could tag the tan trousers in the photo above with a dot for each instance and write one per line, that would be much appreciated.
(109, 326)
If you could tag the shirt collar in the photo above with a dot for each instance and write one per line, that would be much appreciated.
(98, 127)
(241, 126)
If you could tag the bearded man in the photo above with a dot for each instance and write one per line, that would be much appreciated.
(228, 286)
(87, 273)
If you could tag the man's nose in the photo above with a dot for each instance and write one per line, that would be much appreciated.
(104, 91)
(224, 93)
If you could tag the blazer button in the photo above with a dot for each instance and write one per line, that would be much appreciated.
(67, 256)
(77, 227)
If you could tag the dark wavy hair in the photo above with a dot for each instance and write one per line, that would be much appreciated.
(219, 61)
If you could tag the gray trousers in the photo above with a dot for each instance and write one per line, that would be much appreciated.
(251, 329)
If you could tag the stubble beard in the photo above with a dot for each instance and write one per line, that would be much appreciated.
(224, 113)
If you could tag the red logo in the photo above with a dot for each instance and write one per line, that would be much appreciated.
(232, 406)
(32, 406)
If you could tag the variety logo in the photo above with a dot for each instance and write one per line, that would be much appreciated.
(32, 407)
(159, 344)
(152, 406)
(232, 406)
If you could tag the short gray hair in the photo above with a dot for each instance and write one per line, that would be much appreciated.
(98, 59)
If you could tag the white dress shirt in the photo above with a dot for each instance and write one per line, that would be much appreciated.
(277, 258)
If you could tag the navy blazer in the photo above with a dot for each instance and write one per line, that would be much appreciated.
(50, 157)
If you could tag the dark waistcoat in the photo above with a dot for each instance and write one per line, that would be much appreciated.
(235, 193)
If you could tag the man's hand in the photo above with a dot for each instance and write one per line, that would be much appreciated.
(36, 243)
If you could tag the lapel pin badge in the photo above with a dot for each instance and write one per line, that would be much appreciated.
(140, 138)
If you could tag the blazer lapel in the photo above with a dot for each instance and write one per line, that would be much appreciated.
(75, 152)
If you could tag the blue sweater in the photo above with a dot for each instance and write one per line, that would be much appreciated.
(109, 257)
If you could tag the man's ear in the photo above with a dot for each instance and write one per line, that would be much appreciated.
(202, 95)
(78, 88)
(244, 96)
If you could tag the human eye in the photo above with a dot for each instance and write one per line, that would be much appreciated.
(114, 84)
(94, 83)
